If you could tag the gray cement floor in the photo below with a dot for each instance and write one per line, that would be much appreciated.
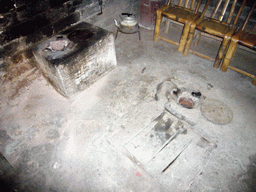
(109, 137)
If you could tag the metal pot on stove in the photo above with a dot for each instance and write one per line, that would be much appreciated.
(128, 23)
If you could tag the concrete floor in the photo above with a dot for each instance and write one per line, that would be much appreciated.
(105, 138)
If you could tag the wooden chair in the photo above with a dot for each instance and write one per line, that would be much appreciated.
(216, 27)
(243, 37)
(181, 13)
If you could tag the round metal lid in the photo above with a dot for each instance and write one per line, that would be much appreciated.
(216, 111)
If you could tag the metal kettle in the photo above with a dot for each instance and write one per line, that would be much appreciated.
(128, 23)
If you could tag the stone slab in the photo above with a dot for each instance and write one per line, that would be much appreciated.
(191, 116)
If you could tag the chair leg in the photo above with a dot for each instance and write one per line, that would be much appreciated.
(254, 81)
(198, 36)
(229, 55)
(184, 36)
(189, 38)
(167, 26)
(221, 51)
(158, 23)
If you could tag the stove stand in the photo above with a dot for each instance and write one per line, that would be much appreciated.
(137, 31)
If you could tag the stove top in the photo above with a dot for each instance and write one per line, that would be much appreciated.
(77, 38)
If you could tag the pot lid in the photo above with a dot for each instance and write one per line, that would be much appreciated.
(129, 20)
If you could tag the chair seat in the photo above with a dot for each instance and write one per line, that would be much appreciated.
(248, 39)
(214, 27)
(180, 14)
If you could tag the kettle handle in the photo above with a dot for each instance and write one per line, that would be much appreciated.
(128, 14)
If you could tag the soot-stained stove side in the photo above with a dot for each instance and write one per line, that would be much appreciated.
(76, 58)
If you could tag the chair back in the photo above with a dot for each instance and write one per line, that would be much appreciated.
(223, 16)
(189, 4)
(248, 17)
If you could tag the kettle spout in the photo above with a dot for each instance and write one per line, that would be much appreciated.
(116, 24)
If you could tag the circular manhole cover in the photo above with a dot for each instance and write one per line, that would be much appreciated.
(216, 111)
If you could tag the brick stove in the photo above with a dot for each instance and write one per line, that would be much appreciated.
(76, 58)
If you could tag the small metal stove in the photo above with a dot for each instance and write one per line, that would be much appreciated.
(76, 58)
